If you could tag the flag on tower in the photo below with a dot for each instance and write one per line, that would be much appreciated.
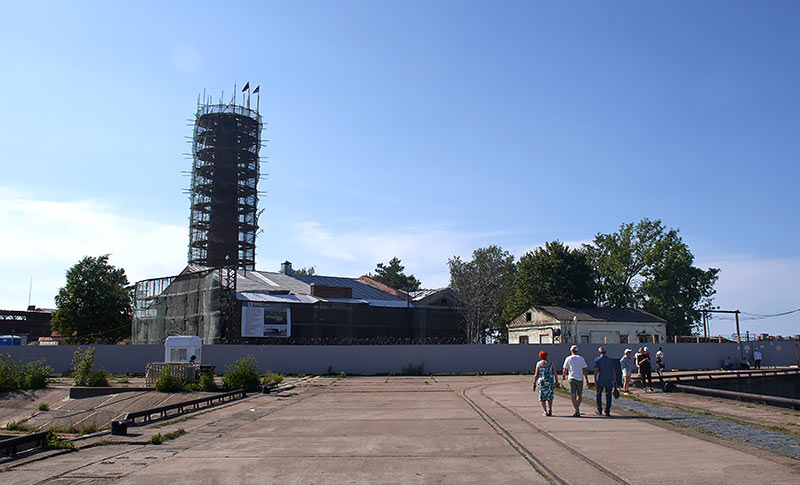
(246, 87)
(256, 89)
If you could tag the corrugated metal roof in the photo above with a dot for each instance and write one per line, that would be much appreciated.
(361, 290)
(267, 282)
(600, 314)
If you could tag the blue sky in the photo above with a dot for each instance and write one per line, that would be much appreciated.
(414, 129)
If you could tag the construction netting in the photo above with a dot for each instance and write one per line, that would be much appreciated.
(192, 303)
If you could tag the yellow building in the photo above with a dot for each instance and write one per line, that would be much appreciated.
(559, 324)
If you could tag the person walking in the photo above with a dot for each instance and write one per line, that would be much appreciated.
(645, 370)
(605, 379)
(626, 362)
(660, 362)
(575, 372)
(545, 378)
(757, 359)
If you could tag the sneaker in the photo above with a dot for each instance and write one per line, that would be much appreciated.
(598, 412)
(576, 415)
(608, 413)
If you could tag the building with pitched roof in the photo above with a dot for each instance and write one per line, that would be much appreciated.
(561, 324)
(226, 305)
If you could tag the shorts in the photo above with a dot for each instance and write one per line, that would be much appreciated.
(576, 387)
(626, 373)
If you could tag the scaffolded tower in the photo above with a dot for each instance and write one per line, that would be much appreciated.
(224, 191)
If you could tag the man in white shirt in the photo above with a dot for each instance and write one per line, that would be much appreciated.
(757, 358)
(575, 371)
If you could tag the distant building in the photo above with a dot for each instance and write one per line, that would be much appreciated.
(30, 324)
(557, 324)
(223, 305)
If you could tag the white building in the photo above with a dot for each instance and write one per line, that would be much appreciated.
(558, 324)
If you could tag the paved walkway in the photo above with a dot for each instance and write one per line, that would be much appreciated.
(407, 430)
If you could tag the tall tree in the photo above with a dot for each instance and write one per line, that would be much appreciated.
(483, 285)
(646, 265)
(310, 271)
(94, 305)
(551, 275)
(392, 275)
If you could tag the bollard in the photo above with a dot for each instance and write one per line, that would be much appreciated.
(119, 427)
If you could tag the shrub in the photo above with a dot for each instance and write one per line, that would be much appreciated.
(36, 374)
(270, 378)
(98, 378)
(342, 375)
(82, 363)
(156, 439)
(207, 382)
(242, 374)
(166, 382)
(414, 370)
(17, 375)
(43, 406)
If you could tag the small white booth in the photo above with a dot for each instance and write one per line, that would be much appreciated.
(182, 348)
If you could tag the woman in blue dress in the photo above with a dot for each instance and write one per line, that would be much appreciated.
(546, 379)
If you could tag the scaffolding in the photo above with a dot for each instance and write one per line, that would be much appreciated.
(198, 303)
(224, 192)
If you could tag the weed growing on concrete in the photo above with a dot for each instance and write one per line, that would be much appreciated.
(16, 375)
(342, 375)
(18, 425)
(270, 377)
(158, 438)
(56, 443)
(242, 374)
(414, 370)
(43, 406)
(166, 382)
(82, 374)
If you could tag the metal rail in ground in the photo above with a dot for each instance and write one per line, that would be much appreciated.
(782, 401)
(120, 427)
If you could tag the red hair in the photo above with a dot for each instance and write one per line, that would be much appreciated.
(543, 355)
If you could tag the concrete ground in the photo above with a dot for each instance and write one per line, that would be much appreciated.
(478, 429)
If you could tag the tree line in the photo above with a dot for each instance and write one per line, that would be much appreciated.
(642, 265)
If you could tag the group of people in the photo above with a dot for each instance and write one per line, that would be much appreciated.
(607, 373)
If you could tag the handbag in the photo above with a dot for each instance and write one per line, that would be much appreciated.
(615, 393)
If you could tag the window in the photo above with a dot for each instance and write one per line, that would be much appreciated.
(623, 339)
(644, 338)
(523, 339)
(584, 339)
(528, 317)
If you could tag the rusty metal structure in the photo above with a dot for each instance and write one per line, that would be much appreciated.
(224, 191)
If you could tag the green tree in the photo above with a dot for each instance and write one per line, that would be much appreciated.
(483, 285)
(310, 271)
(94, 305)
(551, 275)
(392, 275)
(645, 265)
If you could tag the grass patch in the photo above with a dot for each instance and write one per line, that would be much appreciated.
(18, 425)
(72, 429)
(56, 443)
(158, 438)
(43, 406)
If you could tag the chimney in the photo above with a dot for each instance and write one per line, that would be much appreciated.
(286, 267)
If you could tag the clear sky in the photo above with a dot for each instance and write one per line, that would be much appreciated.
(414, 129)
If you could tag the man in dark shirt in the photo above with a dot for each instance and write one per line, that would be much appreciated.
(605, 378)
